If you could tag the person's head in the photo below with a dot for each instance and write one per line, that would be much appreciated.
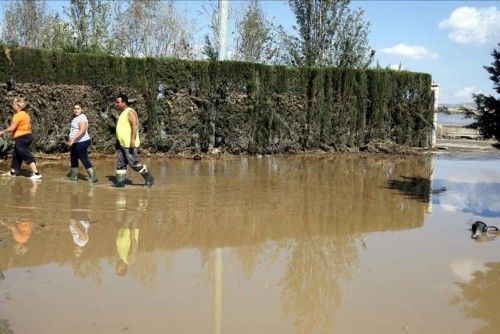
(121, 101)
(77, 109)
(19, 104)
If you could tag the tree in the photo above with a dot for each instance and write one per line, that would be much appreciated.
(210, 50)
(211, 40)
(328, 33)
(90, 21)
(487, 116)
(255, 40)
(153, 28)
(57, 34)
(23, 23)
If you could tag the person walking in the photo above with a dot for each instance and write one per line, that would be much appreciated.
(128, 140)
(21, 130)
(78, 142)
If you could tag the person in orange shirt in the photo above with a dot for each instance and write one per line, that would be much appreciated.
(20, 127)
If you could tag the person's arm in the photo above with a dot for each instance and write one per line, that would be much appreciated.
(82, 128)
(132, 118)
(12, 127)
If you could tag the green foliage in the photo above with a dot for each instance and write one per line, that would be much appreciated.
(209, 49)
(255, 36)
(328, 33)
(90, 20)
(487, 118)
(244, 107)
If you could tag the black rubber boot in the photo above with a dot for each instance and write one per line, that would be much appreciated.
(148, 179)
(119, 181)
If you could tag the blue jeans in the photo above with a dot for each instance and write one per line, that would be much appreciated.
(79, 151)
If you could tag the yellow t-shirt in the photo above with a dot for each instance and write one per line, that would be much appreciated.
(124, 130)
(23, 121)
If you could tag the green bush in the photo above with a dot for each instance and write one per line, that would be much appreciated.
(244, 107)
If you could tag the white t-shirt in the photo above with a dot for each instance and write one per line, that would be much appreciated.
(77, 239)
(74, 128)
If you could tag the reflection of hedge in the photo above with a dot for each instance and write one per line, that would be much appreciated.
(247, 107)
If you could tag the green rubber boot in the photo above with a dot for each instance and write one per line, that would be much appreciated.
(73, 174)
(92, 175)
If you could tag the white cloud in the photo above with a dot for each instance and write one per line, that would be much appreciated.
(410, 51)
(466, 92)
(464, 268)
(473, 25)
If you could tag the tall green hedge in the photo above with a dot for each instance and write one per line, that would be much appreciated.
(246, 107)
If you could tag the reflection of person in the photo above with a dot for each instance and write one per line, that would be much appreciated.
(127, 244)
(21, 232)
(79, 141)
(80, 232)
(20, 127)
(127, 239)
(128, 140)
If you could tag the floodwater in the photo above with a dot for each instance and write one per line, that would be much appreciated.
(324, 244)
(457, 119)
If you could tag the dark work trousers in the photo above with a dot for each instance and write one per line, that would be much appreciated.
(128, 156)
(21, 151)
(79, 151)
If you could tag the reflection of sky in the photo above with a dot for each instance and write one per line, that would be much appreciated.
(473, 185)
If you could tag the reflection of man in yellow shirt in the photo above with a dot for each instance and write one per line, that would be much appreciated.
(127, 244)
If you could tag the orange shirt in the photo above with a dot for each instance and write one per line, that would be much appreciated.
(23, 232)
(23, 121)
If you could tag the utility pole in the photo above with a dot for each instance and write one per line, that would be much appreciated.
(223, 18)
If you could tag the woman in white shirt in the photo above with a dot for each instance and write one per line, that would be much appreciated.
(79, 141)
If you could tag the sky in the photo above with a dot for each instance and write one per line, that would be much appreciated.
(451, 40)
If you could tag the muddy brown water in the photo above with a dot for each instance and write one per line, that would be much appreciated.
(330, 244)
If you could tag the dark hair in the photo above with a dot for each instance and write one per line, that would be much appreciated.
(123, 97)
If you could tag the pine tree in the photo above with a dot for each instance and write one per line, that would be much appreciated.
(487, 117)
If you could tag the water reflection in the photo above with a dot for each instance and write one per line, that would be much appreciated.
(79, 220)
(482, 199)
(21, 233)
(127, 239)
(480, 297)
(469, 190)
(311, 290)
(306, 216)
(414, 187)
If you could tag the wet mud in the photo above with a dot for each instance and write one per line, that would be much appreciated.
(339, 243)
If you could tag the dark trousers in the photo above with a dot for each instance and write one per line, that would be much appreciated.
(79, 151)
(22, 151)
(127, 156)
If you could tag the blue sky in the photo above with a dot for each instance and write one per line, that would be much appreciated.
(451, 40)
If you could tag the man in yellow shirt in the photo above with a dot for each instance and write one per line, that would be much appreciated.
(128, 140)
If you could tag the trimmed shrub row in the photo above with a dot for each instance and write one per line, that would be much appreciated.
(239, 106)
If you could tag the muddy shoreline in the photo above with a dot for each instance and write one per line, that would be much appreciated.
(443, 146)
